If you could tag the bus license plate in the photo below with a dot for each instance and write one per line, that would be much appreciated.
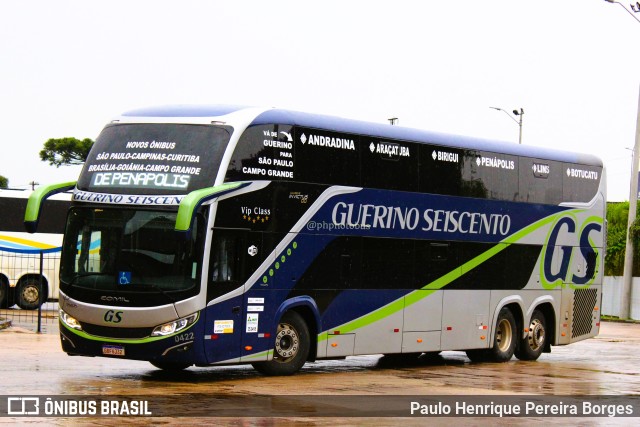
(113, 350)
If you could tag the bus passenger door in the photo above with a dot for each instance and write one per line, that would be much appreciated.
(263, 295)
(229, 268)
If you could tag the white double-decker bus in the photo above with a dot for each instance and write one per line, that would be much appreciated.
(223, 235)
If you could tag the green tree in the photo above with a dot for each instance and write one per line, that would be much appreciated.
(66, 151)
(617, 217)
(617, 214)
(4, 182)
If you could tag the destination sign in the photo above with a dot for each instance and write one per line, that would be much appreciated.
(263, 153)
(154, 159)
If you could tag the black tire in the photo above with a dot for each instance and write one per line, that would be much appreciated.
(29, 294)
(505, 337)
(531, 346)
(4, 293)
(170, 366)
(291, 347)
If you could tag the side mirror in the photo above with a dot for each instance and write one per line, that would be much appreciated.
(34, 204)
(192, 201)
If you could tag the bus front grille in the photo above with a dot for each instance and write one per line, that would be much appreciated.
(111, 332)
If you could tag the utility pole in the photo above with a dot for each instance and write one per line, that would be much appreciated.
(627, 278)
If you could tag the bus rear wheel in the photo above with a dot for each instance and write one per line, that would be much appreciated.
(504, 341)
(291, 347)
(29, 294)
(532, 345)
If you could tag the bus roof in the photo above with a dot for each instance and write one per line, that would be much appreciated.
(378, 130)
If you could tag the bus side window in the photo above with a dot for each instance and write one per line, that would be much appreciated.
(231, 261)
(226, 263)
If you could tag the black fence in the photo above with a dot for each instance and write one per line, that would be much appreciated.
(29, 289)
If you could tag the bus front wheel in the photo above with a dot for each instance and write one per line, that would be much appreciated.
(29, 294)
(291, 347)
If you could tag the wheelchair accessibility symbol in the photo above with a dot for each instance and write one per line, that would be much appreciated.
(124, 277)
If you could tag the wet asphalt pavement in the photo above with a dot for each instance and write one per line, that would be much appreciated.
(33, 364)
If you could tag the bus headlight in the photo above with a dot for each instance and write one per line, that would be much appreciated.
(175, 326)
(69, 321)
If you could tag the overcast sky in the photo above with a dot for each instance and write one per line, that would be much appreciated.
(68, 67)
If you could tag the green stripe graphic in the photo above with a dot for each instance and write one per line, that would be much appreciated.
(418, 295)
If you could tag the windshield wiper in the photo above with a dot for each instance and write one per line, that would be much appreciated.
(74, 280)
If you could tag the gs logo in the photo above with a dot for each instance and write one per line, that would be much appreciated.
(113, 316)
(567, 239)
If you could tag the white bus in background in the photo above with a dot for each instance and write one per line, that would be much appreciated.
(23, 280)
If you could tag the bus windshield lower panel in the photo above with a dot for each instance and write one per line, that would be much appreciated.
(134, 254)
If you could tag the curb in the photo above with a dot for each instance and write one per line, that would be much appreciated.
(618, 320)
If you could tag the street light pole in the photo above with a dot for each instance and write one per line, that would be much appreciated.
(519, 122)
(627, 278)
(519, 114)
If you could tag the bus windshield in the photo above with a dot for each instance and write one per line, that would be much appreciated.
(112, 249)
